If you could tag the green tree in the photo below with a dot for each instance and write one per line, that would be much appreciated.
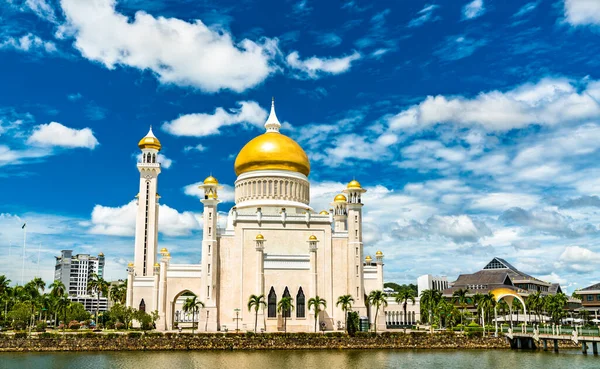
(555, 306)
(403, 297)
(192, 305)
(122, 313)
(460, 297)
(118, 292)
(429, 302)
(377, 298)
(346, 304)
(62, 306)
(316, 303)
(5, 292)
(256, 302)
(19, 315)
(97, 285)
(76, 311)
(285, 306)
(57, 289)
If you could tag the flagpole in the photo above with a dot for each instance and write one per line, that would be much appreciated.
(24, 242)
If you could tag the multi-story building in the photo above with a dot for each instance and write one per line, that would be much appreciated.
(431, 282)
(590, 298)
(74, 271)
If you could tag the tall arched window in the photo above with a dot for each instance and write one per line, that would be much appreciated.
(142, 306)
(300, 304)
(286, 313)
(272, 304)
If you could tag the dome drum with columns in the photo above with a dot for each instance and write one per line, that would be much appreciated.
(274, 244)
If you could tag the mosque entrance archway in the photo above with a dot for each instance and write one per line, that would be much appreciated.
(509, 297)
(179, 317)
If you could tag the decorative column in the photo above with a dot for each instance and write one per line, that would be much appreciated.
(155, 287)
(379, 262)
(354, 206)
(210, 252)
(340, 213)
(162, 289)
(260, 273)
(129, 296)
(312, 248)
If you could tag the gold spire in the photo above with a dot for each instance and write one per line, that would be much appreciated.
(149, 141)
(210, 180)
(354, 184)
(340, 198)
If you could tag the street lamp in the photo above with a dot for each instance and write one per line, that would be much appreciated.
(237, 320)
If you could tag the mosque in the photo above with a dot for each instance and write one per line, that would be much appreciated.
(274, 244)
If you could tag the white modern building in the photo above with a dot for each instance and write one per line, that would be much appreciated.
(74, 271)
(274, 244)
(431, 282)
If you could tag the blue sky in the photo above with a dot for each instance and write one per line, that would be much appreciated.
(474, 125)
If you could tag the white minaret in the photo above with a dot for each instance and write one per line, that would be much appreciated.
(340, 213)
(146, 225)
(355, 245)
(208, 294)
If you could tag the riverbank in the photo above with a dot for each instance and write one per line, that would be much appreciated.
(231, 341)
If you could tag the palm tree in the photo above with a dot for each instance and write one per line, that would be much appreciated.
(404, 296)
(285, 306)
(57, 289)
(39, 284)
(93, 286)
(460, 297)
(256, 302)
(5, 292)
(118, 292)
(429, 301)
(192, 305)
(316, 303)
(377, 298)
(346, 302)
(62, 306)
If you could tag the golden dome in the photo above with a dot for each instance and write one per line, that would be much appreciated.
(312, 238)
(156, 265)
(368, 259)
(340, 198)
(354, 184)
(379, 253)
(163, 250)
(260, 237)
(210, 180)
(101, 254)
(324, 212)
(272, 150)
(130, 265)
(149, 142)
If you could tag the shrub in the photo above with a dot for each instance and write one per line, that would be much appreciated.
(334, 334)
(473, 325)
(113, 335)
(134, 334)
(20, 335)
(88, 335)
(119, 326)
(100, 326)
(352, 323)
(40, 326)
(154, 334)
(47, 335)
(250, 334)
(110, 325)
(74, 325)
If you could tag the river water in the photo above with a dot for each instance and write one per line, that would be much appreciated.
(313, 359)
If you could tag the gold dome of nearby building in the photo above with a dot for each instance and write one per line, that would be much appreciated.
(354, 184)
(312, 237)
(156, 265)
(260, 237)
(210, 180)
(272, 151)
(379, 253)
(130, 265)
(368, 259)
(149, 141)
(340, 198)
(324, 212)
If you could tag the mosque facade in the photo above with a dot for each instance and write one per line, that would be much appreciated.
(274, 244)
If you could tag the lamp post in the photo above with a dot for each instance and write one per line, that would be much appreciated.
(237, 320)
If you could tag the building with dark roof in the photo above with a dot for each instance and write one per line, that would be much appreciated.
(590, 297)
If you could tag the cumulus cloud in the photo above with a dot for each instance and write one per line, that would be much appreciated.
(176, 51)
(504, 200)
(161, 158)
(578, 259)
(56, 134)
(582, 12)
(202, 124)
(316, 67)
(549, 102)
(29, 43)
(473, 9)
(458, 228)
(120, 221)
(424, 15)
(226, 192)
(582, 202)
(549, 222)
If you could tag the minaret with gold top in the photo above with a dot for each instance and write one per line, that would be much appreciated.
(356, 286)
(210, 252)
(146, 226)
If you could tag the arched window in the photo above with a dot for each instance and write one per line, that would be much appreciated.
(286, 313)
(272, 304)
(300, 304)
(142, 306)
(154, 158)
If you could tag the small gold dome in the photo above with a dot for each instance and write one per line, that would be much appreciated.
(340, 198)
(163, 250)
(368, 259)
(156, 265)
(260, 237)
(101, 254)
(354, 184)
(269, 151)
(149, 141)
(379, 253)
(130, 265)
(168, 254)
(210, 180)
(312, 238)
(324, 212)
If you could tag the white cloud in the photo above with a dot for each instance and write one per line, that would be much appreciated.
(424, 15)
(162, 159)
(458, 228)
(178, 52)
(202, 124)
(315, 67)
(503, 201)
(577, 254)
(199, 148)
(120, 221)
(56, 134)
(527, 8)
(28, 43)
(42, 9)
(550, 102)
(582, 12)
(458, 47)
(473, 9)
(226, 192)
